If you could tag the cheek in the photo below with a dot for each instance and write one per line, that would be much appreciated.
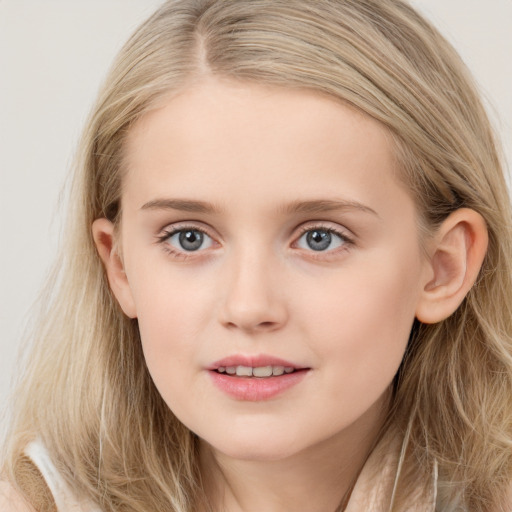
(171, 313)
(170, 302)
(171, 354)
(360, 320)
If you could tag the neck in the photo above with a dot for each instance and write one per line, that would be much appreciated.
(318, 478)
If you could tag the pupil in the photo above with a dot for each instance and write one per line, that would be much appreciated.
(318, 240)
(191, 240)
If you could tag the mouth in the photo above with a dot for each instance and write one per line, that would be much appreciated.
(256, 378)
(260, 372)
(260, 366)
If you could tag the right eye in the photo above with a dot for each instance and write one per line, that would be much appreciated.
(187, 240)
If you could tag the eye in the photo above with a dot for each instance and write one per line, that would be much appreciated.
(321, 239)
(188, 240)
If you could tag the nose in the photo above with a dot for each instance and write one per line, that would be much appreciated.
(253, 299)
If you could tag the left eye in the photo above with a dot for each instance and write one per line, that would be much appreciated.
(189, 240)
(320, 240)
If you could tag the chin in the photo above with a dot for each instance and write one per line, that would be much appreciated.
(258, 448)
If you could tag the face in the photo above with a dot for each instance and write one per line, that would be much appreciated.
(264, 233)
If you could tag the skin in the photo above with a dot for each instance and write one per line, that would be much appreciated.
(255, 286)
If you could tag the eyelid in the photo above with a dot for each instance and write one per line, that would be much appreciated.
(175, 227)
(330, 227)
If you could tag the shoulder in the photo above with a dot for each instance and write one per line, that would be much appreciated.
(11, 500)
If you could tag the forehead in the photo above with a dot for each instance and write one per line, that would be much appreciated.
(235, 143)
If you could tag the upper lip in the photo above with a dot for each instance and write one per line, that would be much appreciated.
(254, 361)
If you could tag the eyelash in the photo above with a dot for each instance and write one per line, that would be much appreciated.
(168, 233)
(163, 238)
(347, 240)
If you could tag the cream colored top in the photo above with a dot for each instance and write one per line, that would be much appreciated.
(373, 491)
(375, 486)
(63, 496)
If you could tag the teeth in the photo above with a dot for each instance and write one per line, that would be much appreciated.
(243, 371)
(278, 370)
(260, 371)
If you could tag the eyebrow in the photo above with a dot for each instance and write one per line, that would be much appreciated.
(316, 206)
(325, 206)
(184, 205)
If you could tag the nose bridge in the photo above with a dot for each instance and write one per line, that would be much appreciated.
(252, 298)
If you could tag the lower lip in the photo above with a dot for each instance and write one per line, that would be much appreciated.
(255, 389)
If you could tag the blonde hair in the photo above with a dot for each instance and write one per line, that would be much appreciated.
(86, 391)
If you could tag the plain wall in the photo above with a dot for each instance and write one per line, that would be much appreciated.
(53, 57)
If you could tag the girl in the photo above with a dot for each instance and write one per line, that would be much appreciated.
(286, 278)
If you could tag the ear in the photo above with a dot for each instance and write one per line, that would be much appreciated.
(104, 238)
(455, 258)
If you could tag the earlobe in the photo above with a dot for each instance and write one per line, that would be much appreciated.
(104, 238)
(455, 258)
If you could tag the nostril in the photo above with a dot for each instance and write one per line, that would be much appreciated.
(253, 326)
(266, 325)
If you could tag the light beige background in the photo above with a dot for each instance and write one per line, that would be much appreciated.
(53, 56)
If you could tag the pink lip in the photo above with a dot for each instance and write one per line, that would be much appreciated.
(255, 389)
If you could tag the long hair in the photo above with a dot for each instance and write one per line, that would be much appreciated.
(85, 390)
